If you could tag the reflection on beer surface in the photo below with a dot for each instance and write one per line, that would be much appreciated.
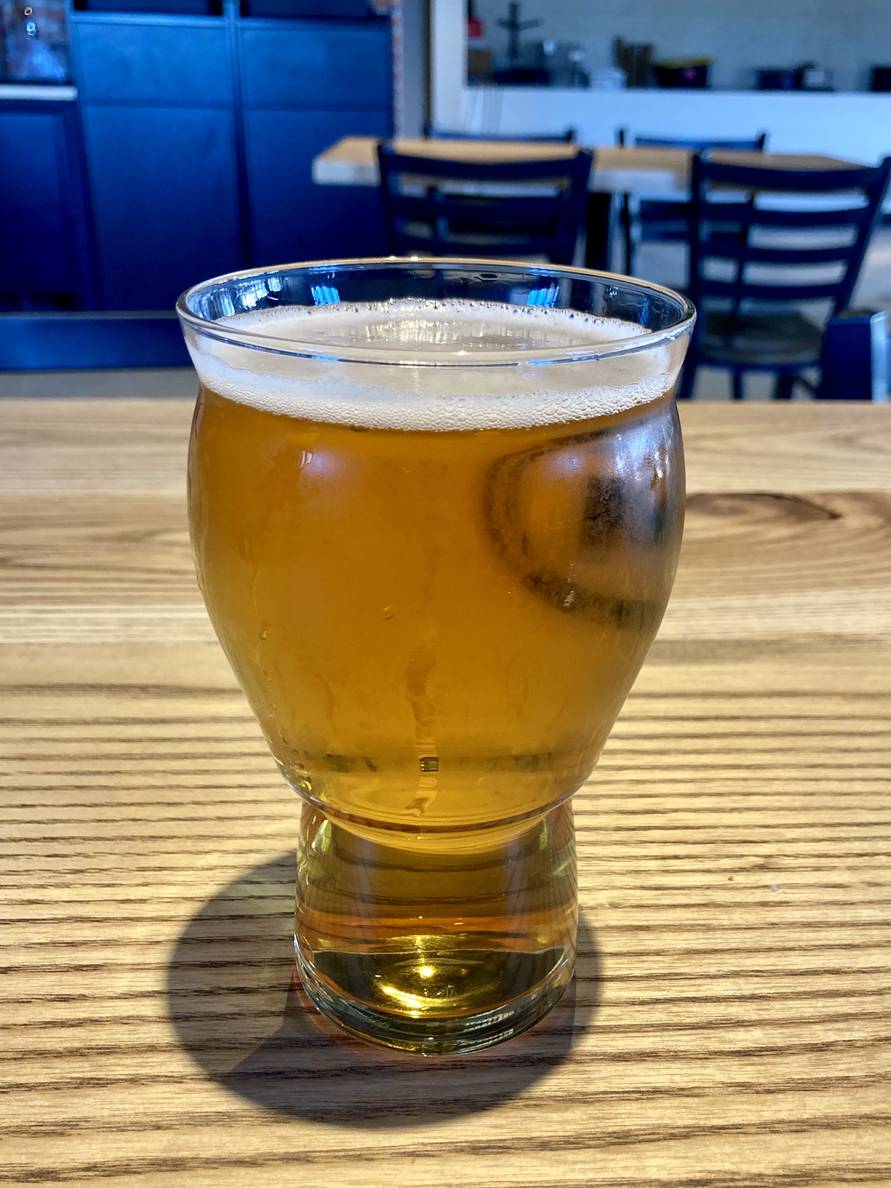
(436, 586)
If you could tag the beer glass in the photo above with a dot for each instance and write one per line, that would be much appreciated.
(436, 507)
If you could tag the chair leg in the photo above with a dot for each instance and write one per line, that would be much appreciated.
(599, 230)
(738, 386)
(783, 386)
(628, 236)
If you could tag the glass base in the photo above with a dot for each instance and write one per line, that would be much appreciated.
(431, 1036)
(442, 944)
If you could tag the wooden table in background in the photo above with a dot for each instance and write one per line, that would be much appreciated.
(651, 172)
(729, 1024)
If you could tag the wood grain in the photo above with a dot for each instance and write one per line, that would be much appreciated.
(729, 1024)
(656, 172)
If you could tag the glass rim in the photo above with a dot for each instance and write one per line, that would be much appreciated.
(396, 355)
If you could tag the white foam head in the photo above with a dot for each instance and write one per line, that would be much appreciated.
(456, 365)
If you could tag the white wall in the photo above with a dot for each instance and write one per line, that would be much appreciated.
(848, 36)
(854, 127)
(412, 38)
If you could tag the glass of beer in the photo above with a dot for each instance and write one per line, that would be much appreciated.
(436, 507)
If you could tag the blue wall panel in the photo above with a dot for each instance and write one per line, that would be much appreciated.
(43, 222)
(188, 153)
(291, 217)
(149, 62)
(317, 66)
(165, 200)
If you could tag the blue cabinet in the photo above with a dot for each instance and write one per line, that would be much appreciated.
(165, 200)
(148, 61)
(291, 218)
(316, 65)
(304, 85)
(160, 135)
(44, 238)
(188, 153)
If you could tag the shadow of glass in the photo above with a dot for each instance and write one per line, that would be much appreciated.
(239, 1010)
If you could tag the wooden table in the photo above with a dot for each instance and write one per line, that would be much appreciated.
(653, 172)
(729, 1024)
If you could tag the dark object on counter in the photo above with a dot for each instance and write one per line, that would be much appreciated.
(522, 76)
(855, 356)
(479, 64)
(475, 27)
(756, 324)
(567, 136)
(811, 77)
(26, 55)
(808, 76)
(515, 27)
(565, 63)
(880, 78)
(663, 221)
(443, 221)
(683, 73)
(636, 59)
(777, 78)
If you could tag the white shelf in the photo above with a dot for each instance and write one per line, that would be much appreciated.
(29, 91)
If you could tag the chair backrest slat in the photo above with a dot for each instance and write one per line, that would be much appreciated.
(567, 136)
(721, 248)
(751, 144)
(729, 231)
(815, 291)
(832, 180)
(435, 169)
(779, 217)
(504, 208)
(647, 220)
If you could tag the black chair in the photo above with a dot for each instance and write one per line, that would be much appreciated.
(505, 209)
(757, 234)
(567, 136)
(650, 220)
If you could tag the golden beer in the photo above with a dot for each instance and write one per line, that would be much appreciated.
(436, 583)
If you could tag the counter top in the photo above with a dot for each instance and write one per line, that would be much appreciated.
(660, 92)
(729, 1021)
(32, 91)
